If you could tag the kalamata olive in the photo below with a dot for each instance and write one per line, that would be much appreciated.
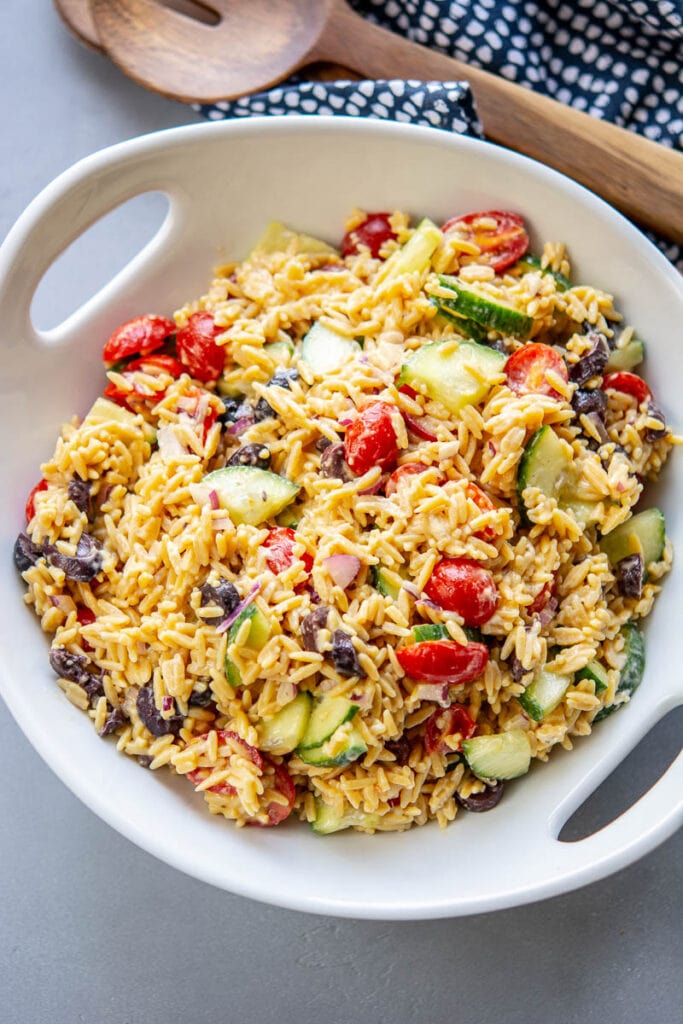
(599, 427)
(79, 492)
(311, 625)
(235, 409)
(114, 720)
(517, 670)
(251, 455)
(333, 463)
(629, 573)
(344, 655)
(84, 565)
(26, 553)
(263, 411)
(400, 748)
(152, 718)
(484, 801)
(587, 400)
(223, 593)
(201, 696)
(593, 361)
(144, 760)
(654, 433)
(499, 344)
(283, 377)
(322, 443)
(74, 667)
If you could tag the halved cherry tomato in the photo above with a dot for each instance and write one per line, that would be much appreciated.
(526, 370)
(279, 545)
(628, 383)
(396, 478)
(423, 427)
(197, 349)
(371, 439)
(85, 616)
(447, 722)
(275, 810)
(499, 246)
(197, 775)
(118, 396)
(373, 232)
(483, 502)
(444, 661)
(152, 365)
(30, 509)
(139, 336)
(542, 597)
(462, 585)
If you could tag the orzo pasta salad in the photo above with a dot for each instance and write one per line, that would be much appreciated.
(361, 532)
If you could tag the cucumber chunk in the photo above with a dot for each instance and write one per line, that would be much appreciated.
(504, 755)
(249, 494)
(631, 675)
(437, 631)
(283, 733)
(496, 316)
(104, 411)
(643, 534)
(258, 636)
(597, 673)
(278, 238)
(547, 464)
(328, 714)
(344, 746)
(327, 351)
(452, 372)
(529, 262)
(416, 255)
(468, 328)
(328, 820)
(382, 584)
(544, 693)
(279, 350)
(626, 357)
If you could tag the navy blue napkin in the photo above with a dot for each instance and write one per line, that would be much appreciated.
(621, 60)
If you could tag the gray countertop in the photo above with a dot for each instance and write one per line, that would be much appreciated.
(92, 929)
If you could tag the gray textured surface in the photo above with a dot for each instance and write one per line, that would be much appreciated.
(89, 924)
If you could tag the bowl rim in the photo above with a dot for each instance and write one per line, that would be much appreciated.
(572, 874)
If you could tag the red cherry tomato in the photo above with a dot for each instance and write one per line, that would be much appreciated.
(197, 349)
(483, 502)
(542, 597)
(499, 246)
(423, 427)
(397, 477)
(444, 661)
(275, 810)
(628, 383)
(279, 545)
(30, 509)
(85, 617)
(445, 722)
(197, 775)
(139, 336)
(374, 231)
(526, 370)
(152, 365)
(118, 396)
(371, 440)
(463, 586)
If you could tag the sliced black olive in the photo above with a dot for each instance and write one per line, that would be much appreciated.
(152, 718)
(26, 553)
(223, 593)
(251, 455)
(587, 400)
(311, 625)
(263, 411)
(201, 696)
(593, 362)
(79, 492)
(654, 433)
(344, 655)
(629, 573)
(333, 464)
(484, 801)
(74, 667)
(114, 720)
(81, 567)
(400, 748)
(283, 377)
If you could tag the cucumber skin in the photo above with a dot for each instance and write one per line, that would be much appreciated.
(436, 631)
(634, 667)
(326, 821)
(588, 673)
(533, 707)
(531, 262)
(316, 756)
(259, 632)
(468, 328)
(490, 314)
(526, 466)
(303, 702)
(313, 743)
(382, 585)
(615, 543)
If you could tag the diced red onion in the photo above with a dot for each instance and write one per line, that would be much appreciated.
(62, 601)
(427, 602)
(546, 616)
(286, 691)
(328, 684)
(213, 499)
(227, 622)
(377, 486)
(434, 691)
(343, 569)
(240, 425)
(413, 591)
(202, 407)
(346, 422)
(221, 523)
(167, 703)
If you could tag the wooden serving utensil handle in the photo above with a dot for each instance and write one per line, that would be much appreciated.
(641, 178)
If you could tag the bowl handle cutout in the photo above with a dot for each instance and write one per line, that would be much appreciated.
(58, 216)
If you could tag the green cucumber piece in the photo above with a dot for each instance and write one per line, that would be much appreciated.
(278, 237)
(437, 631)
(283, 733)
(468, 328)
(249, 494)
(328, 820)
(531, 262)
(452, 372)
(644, 533)
(496, 316)
(416, 255)
(544, 693)
(259, 631)
(381, 583)
(504, 755)
(597, 673)
(232, 674)
(631, 675)
(104, 411)
(625, 358)
(547, 464)
(343, 747)
(328, 714)
(327, 351)
(279, 349)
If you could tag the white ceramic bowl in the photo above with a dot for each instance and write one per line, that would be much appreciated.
(225, 181)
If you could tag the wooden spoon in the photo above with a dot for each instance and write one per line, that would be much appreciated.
(78, 18)
(257, 43)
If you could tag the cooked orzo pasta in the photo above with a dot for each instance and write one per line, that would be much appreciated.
(352, 537)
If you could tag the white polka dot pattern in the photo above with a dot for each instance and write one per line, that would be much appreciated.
(621, 60)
